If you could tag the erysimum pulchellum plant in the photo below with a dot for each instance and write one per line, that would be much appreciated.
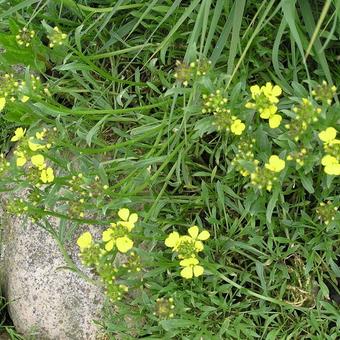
(213, 140)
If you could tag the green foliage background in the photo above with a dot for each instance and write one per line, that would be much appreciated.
(119, 116)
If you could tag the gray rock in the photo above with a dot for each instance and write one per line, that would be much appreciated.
(46, 301)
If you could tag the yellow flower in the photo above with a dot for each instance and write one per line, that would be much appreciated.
(24, 99)
(34, 146)
(47, 175)
(84, 241)
(268, 111)
(191, 268)
(237, 127)
(38, 161)
(115, 236)
(255, 91)
(328, 160)
(21, 159)
(18, 134)
(328, 135)
(202, 236)
(331, 164)
(128, 220)
(173, 240)
(332, 169)
(274, 121)
(272, 92)
(197, 237)
(40, 135)
(275, 164)
(124, 244)
(2, 103)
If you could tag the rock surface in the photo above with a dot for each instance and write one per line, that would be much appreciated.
(46, 300)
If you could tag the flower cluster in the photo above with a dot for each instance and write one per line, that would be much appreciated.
(164, 308)
(305, 114)
(187, 248)
(331, 145)
(56, 37)
(31, 150)
(265, 101)
(298, 156)
(265, 177)
(118, 233)
(324, 92)
(101, 255)
(24, 37)
(84, 190)
(186, 73)
(13, 89)
(326, 212)
(8, 89)
(244, 156)
(216, 103)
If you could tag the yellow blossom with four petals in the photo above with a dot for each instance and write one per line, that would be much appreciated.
(275, 164)
(237, 127)
(191, 268)
(47, 175)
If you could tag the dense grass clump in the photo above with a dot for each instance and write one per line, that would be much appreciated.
(201, 138)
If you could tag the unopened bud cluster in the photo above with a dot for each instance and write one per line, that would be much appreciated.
(244, 154)
(326, 212)
(324, 92)
(187, 73)
(24, 37)
(306, 113)
(216, 103)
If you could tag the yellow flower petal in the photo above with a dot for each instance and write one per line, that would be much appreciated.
(2, 103)
(193, 231)
(199, 246)
(328, 135)
(47, 175)
(133, 218)
(186, 272)
(84, 241)
(255, 91)
(127, 224)
(237, 127)
(124, 214)
(109, 245)
(274, 121)
(277, 91)
(268, 111)
(172, 240)
(107, 235)
(24, 99)
(275, 164)
(21, 161)
(332, 169)
(328, 160)
(191, 261)
(124, 244)
(18, 134)
(204, 235)
(198, 270)
(38, 160)
(34, 146)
